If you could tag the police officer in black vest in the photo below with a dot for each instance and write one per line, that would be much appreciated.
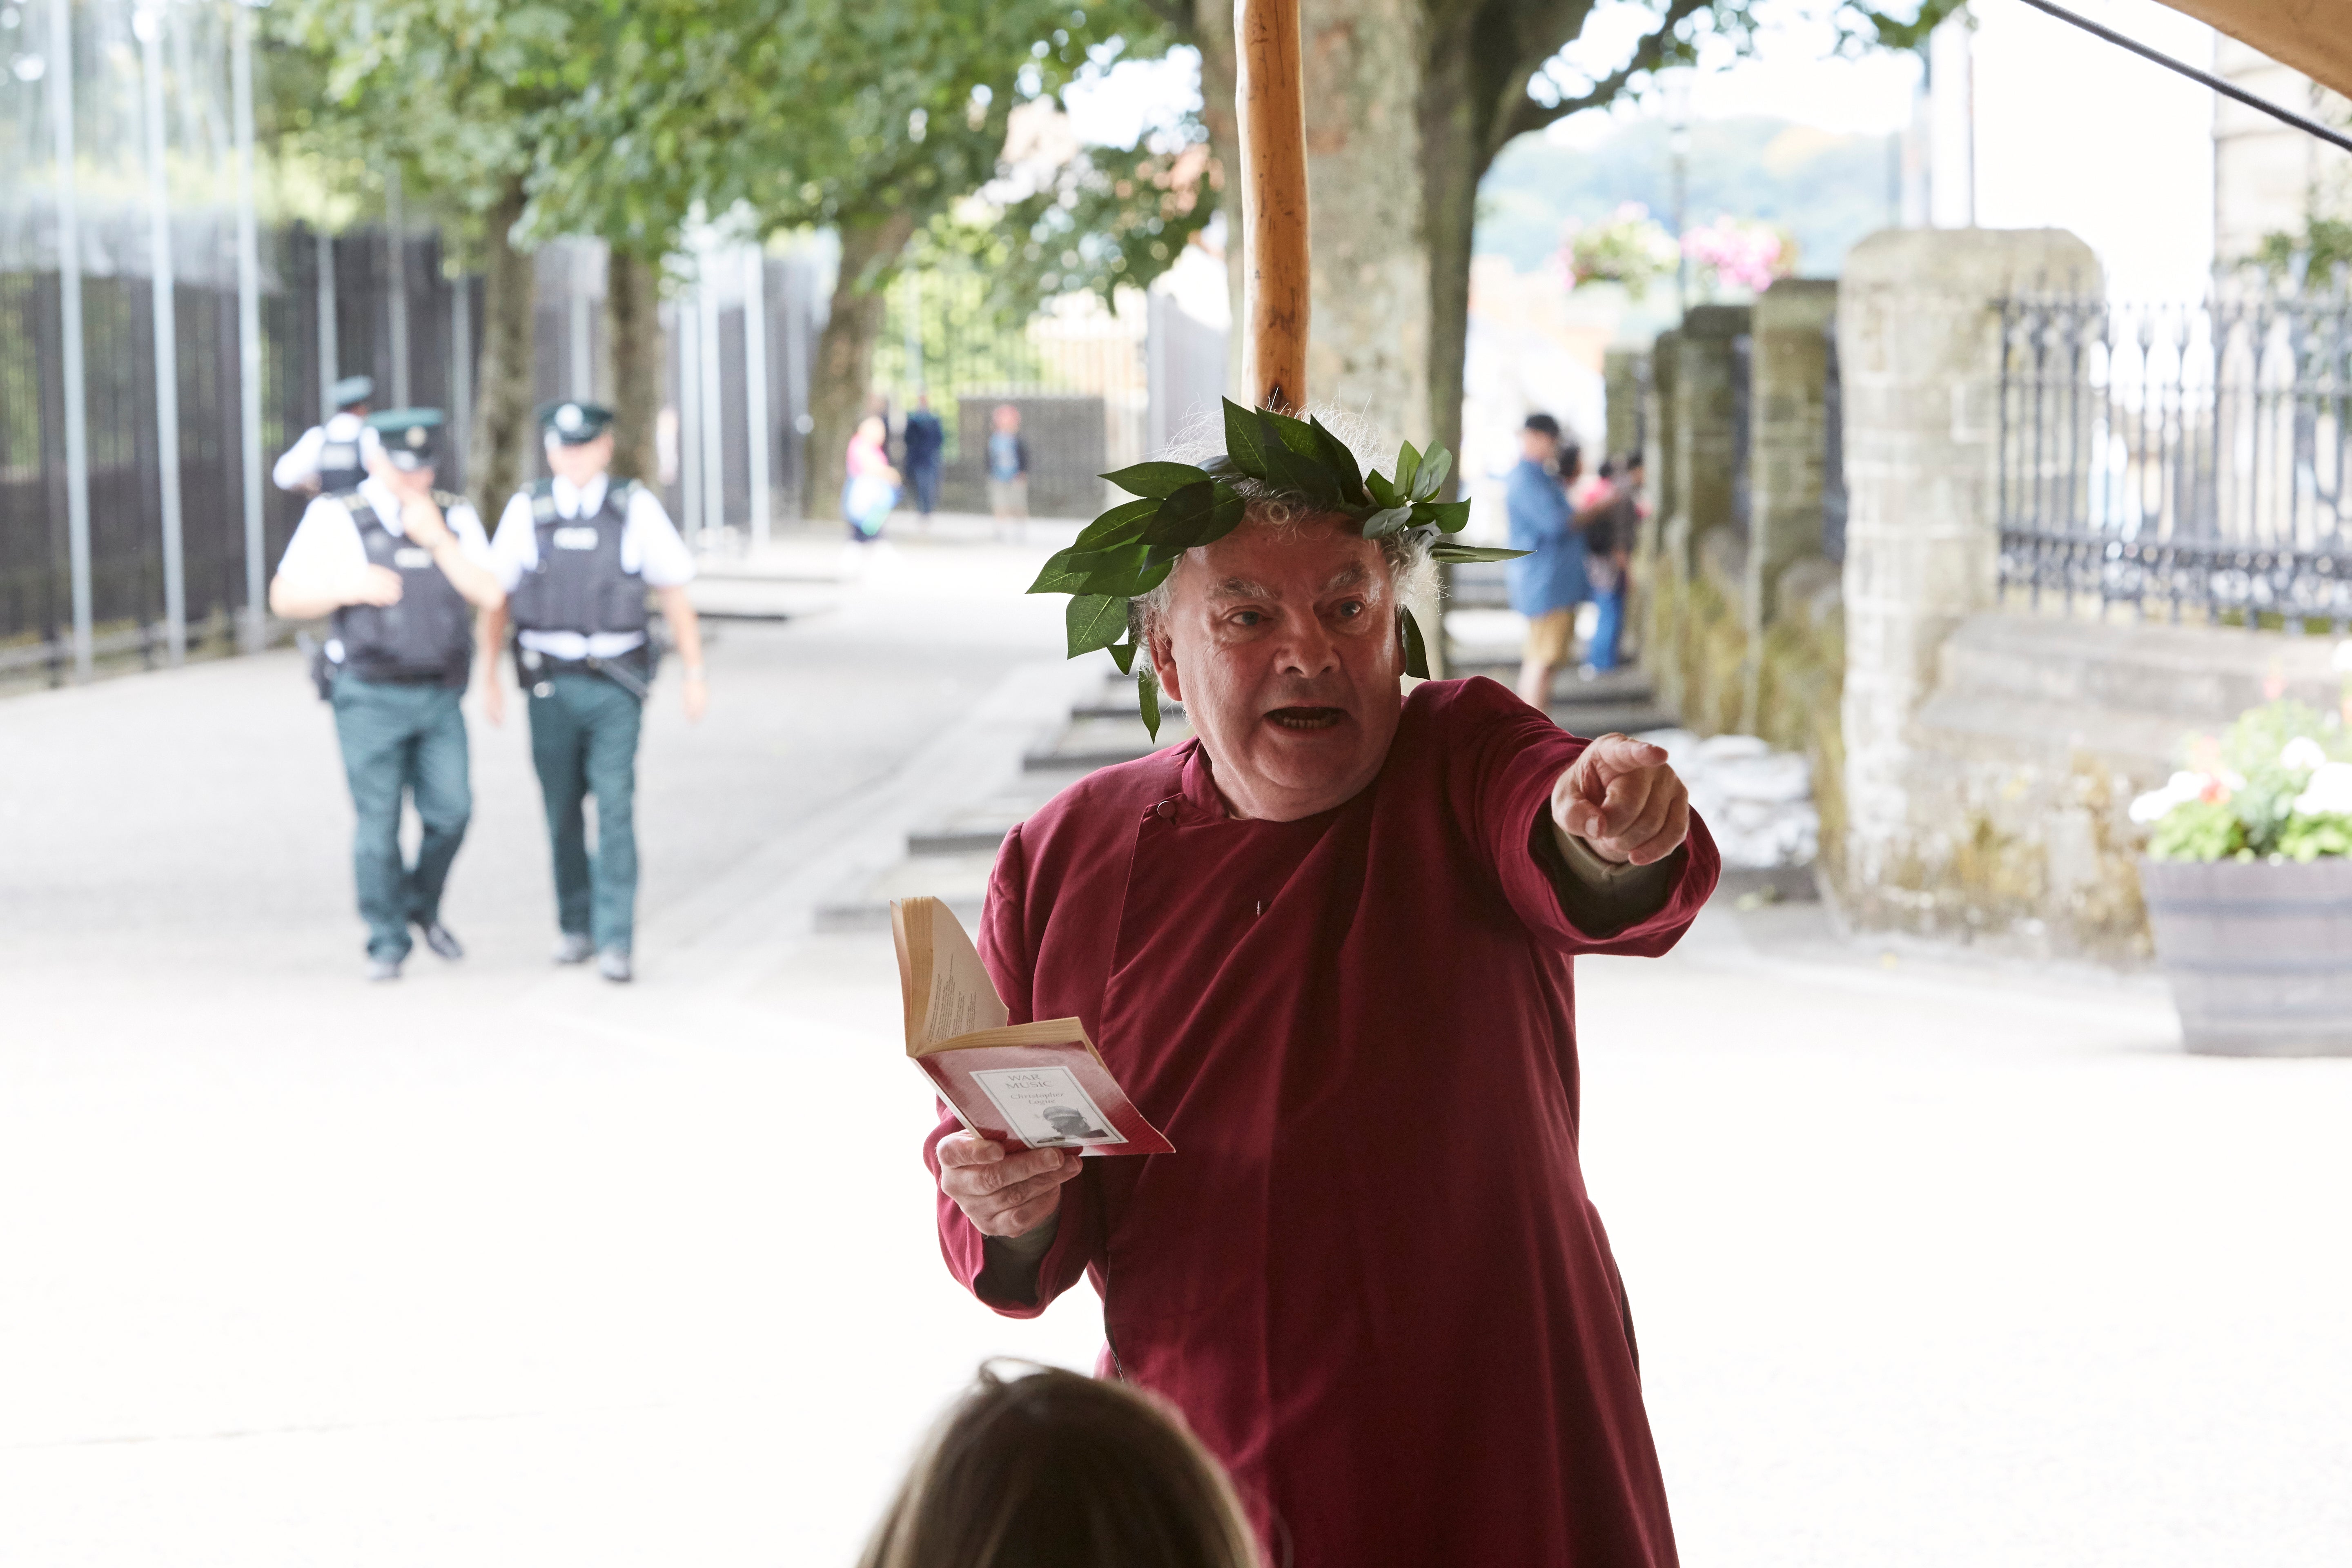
(400, 567)
(334, 455)
(577, 555)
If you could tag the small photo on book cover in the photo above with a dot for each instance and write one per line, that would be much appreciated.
(1046, 1107)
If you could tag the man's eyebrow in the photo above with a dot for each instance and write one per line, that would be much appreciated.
(1348, 577)
(1243, 588)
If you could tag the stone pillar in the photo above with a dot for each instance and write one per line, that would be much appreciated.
(1626, 374)
(1793, 320)
(1919, 349)
(1659, 451)
(1705, 441)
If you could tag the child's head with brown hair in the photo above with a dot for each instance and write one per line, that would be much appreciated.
(1051, 1469)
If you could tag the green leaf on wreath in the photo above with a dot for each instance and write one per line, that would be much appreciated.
(1156, 480)
(1182, 516)
(1408, 464)
(1122, 654)
(1340, 461)
(1147, 700)
(1095, 620)
(1223, 516)
(1293, 472)
(1244, 441)
(1122, 524)
(1463, 554)
(1447, 516)
(1295, 435)
(1431, 475)
(1057, 577)
(1109, 571)
(1382, 523)
(1416, 653)
(1384, 495)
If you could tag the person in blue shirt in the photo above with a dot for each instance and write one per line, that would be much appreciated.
(1548, 582)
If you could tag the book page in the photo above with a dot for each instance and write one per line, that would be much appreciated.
(949, 992)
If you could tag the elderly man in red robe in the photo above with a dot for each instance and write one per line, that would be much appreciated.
(1329, 946)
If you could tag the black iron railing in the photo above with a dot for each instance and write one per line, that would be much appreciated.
(2188, 461)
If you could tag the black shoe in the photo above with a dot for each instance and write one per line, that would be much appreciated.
(380, 969)
(573, 947)
(436, 937)
(612, 964)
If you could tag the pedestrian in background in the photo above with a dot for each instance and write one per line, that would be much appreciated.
(330, 458)
(577, 554)
(870, 488)
(400, 567)
(1602, 511)
(1548, 582)
(924, 444)
(1054, 1469)
(1008, 471)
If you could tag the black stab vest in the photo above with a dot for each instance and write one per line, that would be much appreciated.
(338, 464)
(428, 638)
(578, 583)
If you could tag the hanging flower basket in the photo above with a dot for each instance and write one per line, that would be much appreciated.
(2249, 886)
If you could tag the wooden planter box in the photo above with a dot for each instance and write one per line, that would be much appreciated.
(2260, 956)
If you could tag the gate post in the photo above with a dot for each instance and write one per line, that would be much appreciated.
(1919, 351)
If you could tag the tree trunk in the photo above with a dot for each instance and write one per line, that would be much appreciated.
(845, 353)
(500, 459)
(633, 307)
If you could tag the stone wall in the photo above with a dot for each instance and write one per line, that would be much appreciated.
(2020, 763)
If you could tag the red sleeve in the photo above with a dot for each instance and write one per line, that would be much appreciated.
(1004, 949)
(1503, 759)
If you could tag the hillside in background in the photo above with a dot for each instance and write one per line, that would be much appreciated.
(1828, 188)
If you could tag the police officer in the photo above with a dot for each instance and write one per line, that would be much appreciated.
(576, 554)
(330, 457)
(400, 567)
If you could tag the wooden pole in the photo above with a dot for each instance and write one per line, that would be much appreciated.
(1273, 113)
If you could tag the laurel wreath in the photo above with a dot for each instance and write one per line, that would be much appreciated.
(1129, 550)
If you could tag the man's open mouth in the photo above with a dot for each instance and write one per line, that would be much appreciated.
(1307, 718)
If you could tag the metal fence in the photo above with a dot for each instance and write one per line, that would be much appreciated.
(1079, 375)
(394, 316)
(2188, 461)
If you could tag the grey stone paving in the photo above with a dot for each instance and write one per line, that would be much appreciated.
(1934, 1262)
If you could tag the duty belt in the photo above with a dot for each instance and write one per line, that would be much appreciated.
(631, 671)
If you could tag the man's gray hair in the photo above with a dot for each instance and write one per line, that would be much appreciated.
(1407, 554)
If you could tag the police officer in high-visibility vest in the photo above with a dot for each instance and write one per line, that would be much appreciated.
(332, 456)
(577, 555)
(401, 568)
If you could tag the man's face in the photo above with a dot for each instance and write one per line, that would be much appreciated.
(578, 465)
(1281, 642)
(1538, 447)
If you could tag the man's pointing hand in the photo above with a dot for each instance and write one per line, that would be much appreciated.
(1622, 798)
(1003, 1195)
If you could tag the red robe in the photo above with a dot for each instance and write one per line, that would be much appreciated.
(1369, 1275)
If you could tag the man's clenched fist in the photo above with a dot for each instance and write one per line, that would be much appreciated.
(1622, 798)
(1003, 1195)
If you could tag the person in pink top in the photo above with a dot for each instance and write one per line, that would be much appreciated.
(871, 488)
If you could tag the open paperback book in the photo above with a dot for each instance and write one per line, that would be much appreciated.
(1025, 1086)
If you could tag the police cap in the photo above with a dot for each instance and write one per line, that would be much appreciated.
(411, 436)
(574, 424)
(351, 391)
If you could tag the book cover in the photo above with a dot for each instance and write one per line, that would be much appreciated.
(1025, 1086)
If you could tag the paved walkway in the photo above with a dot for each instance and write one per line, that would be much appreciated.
(1933, 1264)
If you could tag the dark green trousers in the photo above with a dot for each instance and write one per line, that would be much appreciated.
(402, 741)
(583, 741)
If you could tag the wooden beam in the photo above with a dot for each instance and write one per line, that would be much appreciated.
(2314, 36)
(1273, 115)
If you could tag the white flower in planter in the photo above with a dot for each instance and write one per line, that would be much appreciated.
(2329, 792)
(2179, 790)
(2301, 754)
(2342, 661)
